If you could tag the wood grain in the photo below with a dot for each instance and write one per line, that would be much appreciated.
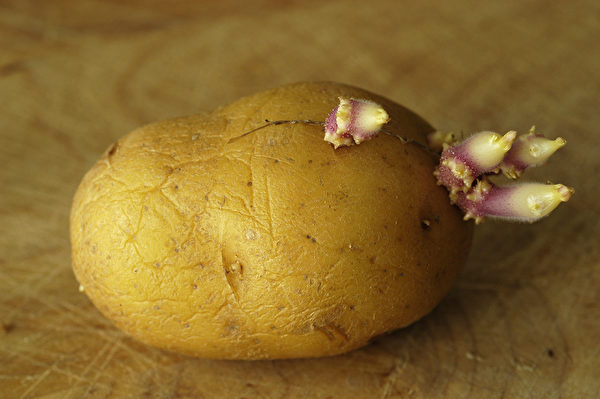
(523, 320)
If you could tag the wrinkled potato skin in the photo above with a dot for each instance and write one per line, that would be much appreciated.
(196, 239)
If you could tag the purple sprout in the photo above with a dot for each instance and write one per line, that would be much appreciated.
(462, 163)
(527, 151)
(526, 202)
(354, 121)
(464, 169)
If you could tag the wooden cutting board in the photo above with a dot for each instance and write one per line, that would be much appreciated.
(521, 322)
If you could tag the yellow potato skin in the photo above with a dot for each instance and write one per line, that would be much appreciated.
(196, 238)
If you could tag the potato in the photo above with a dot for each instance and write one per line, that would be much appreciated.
(195, 237)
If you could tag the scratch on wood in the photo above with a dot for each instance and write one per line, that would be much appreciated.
(107, 359)
(524, 365)
(391, 377)
(37, 382)
(473, 356)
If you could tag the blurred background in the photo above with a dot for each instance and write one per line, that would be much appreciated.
(522, 321)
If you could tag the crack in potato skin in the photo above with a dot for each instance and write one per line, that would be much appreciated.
(273, 245)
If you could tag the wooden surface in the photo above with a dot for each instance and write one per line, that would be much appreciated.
(521, 322)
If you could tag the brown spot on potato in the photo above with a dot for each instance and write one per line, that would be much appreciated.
(113, 149)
